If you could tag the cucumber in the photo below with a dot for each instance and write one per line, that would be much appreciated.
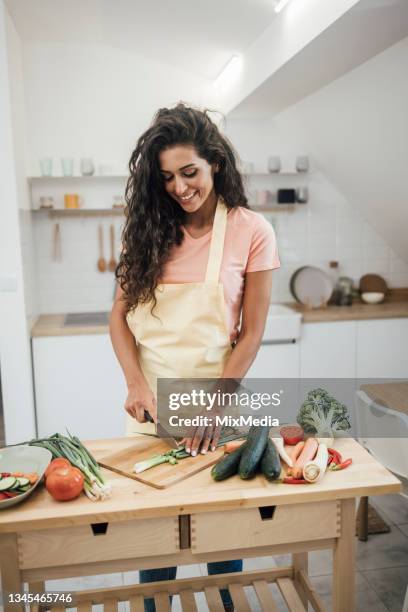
(23, 482)
(7, 483)
(228, 465)
(253, 451)
(270, 462)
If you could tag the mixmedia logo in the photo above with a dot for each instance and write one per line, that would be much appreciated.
(218, 399)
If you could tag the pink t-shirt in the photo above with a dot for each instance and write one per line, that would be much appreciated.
(250, 246)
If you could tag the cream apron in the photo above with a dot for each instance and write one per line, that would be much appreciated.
(187, 335)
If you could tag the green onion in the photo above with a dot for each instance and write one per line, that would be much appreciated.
(72, 449)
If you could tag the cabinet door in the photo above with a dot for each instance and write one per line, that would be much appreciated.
(78, 385)
(276, 361)
(328, 350)
(382, 348)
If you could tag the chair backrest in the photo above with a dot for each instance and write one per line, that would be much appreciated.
(383, 432)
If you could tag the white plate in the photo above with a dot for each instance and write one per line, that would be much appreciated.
(311, 286)
(23, 459)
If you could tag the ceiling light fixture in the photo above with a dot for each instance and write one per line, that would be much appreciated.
(230, 68)
(280, 4)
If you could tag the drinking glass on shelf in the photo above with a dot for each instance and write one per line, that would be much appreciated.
(87, 166)
(274, 163)
(302, 163)
(46, 166)
(302, 195)
(67, 166)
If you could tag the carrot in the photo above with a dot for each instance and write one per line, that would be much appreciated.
(294, 451)
(229, 447)
(32, 477)
(308, 453)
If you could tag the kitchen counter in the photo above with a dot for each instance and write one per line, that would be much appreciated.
(357, 312)
(53, 325)
(193, 521)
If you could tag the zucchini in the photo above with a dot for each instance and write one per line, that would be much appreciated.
(270, 462)
(253, 451)
(228, 465)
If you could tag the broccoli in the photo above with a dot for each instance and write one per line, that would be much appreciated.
(322, 414)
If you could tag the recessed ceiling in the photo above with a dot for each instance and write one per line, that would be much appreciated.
(198, 36)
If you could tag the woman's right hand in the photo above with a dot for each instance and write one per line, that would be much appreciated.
(139, 399)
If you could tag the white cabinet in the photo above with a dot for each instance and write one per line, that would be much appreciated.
(78, 385)
(328, 350)
(276, 360)
(382, 348)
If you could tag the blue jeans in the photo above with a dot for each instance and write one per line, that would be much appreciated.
(169, 573)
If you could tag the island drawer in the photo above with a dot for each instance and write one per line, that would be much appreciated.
(256, 527)
(107, 541)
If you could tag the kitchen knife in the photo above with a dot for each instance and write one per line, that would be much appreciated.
(162, 432)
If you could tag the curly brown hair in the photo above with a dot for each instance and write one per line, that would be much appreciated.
(153, 218)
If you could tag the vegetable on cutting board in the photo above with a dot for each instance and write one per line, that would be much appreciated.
(292, 434)
(172, 456)
(253, 451)
(308, 453)
(314, 470)
(278, 442)
(270, 462)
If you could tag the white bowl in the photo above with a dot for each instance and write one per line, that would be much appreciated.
(372, 297)
(23, 459)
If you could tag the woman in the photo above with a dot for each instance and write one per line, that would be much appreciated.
(194, 259)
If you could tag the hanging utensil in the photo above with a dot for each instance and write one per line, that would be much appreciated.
(112, 262)
(101, 261)
(56, 244)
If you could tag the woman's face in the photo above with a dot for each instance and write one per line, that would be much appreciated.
(187, 178)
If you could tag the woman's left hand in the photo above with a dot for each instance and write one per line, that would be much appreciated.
(201, 439)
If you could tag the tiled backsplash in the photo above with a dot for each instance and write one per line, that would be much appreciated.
(327, 228)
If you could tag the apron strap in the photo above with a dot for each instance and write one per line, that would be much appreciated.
(217, 243)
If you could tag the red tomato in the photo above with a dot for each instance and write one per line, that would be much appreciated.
(292, 434)
(3, 496)
(56, 463)
(65, 483)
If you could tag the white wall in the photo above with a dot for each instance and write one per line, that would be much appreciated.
(19, 134)
(15, 360)
(86, 100)
(356, 128)
(329, 227)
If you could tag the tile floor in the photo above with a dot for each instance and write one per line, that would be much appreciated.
(382, 568)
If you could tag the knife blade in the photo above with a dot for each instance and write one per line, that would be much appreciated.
(162, 432)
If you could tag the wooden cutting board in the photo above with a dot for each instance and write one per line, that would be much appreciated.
(161, 476)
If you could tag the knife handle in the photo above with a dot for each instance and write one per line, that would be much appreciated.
(148, 417)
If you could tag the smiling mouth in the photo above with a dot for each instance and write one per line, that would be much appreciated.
(187, 198)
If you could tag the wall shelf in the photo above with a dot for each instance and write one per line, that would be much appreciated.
(289, 173)
(80, 212)
(119, 212)
(272, 209)
(94, 177)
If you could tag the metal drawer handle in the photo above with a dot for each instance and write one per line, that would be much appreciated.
(267, 512)
(99, 528)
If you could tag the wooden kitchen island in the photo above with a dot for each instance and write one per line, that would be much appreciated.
(194, 521)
